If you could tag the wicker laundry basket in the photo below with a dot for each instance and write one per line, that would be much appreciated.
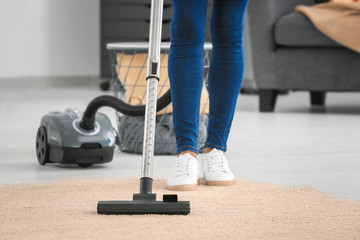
(128, 67)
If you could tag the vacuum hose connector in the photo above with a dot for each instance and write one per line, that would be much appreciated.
(88, 120)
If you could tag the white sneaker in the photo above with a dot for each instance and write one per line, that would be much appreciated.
(216, 169)
(185, 175)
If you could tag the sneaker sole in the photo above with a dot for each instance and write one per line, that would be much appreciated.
(220, 183)
(184, 187)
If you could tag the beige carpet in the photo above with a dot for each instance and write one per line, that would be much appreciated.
(247, 210)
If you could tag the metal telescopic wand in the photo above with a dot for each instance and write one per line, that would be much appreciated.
(145, 201)
(152, 77)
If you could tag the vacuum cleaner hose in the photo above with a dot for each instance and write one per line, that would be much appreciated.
(88, 120)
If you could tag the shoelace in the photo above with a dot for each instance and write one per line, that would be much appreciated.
(217, 163)
(183, 166)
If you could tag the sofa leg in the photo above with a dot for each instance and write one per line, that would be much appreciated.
(317, 98)
(267, 100)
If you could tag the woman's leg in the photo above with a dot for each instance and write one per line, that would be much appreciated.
(185, 69)
(226, 69)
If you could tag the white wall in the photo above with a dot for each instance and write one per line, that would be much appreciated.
(49, 38)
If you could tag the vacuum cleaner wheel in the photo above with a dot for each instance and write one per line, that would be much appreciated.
(42, 147)
(85, 165)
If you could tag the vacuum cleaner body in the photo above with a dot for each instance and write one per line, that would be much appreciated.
(60, 139)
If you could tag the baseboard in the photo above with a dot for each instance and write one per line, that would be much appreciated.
(54, 81)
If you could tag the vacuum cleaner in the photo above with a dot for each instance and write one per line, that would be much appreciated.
(87, 138)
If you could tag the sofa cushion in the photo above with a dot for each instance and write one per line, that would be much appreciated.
(296, 30)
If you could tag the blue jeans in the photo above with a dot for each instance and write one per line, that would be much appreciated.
(186, 73)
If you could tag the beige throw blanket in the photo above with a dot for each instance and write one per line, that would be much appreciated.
(338, 20)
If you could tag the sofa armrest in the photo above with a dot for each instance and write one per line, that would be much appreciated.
(262, 16)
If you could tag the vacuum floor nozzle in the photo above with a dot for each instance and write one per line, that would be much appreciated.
(145, 204)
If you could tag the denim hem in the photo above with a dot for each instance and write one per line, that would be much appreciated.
(184, 148)
(210, 145)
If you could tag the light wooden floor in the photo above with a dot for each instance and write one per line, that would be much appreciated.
(295, 146)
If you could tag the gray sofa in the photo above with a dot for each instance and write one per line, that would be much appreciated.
(289, 53)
